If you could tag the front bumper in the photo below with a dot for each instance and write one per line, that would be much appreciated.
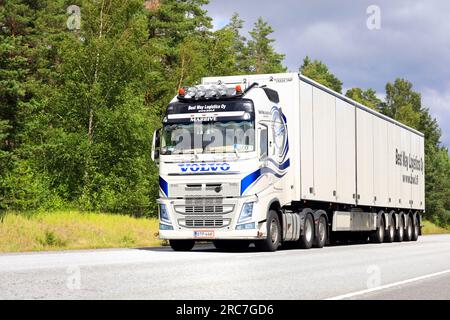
(253, 234)
(187, 223)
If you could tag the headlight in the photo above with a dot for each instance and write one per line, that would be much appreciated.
(246, 212)
(163, 214)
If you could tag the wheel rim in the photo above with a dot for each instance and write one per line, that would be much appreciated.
(391, 231)
(274, 231)
(409, 229)
(381, 231)
(321, 230)
(400, 229)
(308, 230)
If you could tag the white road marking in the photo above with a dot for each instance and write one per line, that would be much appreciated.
(387, 286)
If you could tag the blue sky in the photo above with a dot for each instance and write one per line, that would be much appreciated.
(413, 42)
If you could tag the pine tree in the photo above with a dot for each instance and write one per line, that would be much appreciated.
(28, 32)
(240, 49)
(172, 24)
(261, 55)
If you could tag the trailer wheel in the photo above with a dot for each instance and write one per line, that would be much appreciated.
(321, 239)
(390, 234)
(273, 239)
(399, 232)
(182, 245)
(307, 238)
(416, 229)
(408, 229)
(378, 235)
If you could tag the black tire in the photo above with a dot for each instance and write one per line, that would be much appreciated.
(273, 240)
(416, 228)
(390, 234)
(408, 229)
(378, 235)
(399, 232)
(322, 233)
(307, 237)
(182, 245)
(231, 245)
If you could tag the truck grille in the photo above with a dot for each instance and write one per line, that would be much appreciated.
(203, 209)
(204, 222)
(204, 206)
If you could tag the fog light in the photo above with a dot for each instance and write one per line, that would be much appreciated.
(165, 227)
(246, 226)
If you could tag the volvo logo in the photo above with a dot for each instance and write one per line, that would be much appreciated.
(204, 167)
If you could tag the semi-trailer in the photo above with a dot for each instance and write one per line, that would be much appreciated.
(277, 159)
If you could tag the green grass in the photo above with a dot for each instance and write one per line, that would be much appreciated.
(63, 230)
(431, 228)
(75, 230)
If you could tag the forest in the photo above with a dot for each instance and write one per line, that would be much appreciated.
(83, 85)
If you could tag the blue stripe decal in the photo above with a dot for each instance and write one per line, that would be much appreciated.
(248, 180)
(268, 170)
(164, 186)
(252, 177)
(282, 166)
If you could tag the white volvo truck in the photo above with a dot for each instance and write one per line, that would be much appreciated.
(279, 159)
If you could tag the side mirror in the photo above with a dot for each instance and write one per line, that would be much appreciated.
(156, 145)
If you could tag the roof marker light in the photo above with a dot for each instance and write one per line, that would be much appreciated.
(238, 89)
(181, 91)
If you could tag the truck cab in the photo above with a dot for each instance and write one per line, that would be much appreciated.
(223, 156)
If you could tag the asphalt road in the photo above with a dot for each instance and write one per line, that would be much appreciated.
(408, 270)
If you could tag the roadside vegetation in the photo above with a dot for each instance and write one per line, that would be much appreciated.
(430, 228)
(61, 230)
(68, 230)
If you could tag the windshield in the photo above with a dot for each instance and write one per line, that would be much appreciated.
(208, 137)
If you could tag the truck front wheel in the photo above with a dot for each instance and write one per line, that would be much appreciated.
(273, 239)
(182, 245)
